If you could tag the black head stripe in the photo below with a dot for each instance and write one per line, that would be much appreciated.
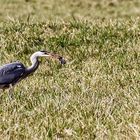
(45, 52)
(42, 51)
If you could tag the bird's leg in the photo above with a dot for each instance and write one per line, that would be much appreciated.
(11, 90)
(1, 92)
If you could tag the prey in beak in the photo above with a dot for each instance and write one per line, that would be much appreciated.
(62, 60)
(55, 56)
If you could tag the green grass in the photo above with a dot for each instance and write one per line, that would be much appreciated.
(96, 95)
(63, 9)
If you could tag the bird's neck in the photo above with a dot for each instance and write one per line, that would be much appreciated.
(35, 64)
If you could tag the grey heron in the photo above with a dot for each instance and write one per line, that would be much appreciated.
(12, 73)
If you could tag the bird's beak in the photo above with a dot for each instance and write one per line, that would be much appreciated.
(58, 57)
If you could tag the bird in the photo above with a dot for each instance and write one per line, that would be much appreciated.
(12, 73)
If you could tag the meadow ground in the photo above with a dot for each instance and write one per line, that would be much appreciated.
(96, 95)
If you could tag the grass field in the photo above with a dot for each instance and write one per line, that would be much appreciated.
(96, 95)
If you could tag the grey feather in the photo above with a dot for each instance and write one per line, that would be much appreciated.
(10, 73)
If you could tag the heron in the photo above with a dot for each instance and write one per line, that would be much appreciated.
(12, 73)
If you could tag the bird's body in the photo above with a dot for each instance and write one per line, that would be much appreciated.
(12, 73)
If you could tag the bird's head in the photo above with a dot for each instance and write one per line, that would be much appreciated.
(52, 55)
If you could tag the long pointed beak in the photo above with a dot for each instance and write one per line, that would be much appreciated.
(58, 57)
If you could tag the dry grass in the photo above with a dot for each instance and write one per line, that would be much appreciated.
(96, 95)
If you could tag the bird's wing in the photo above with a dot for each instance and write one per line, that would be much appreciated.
(11, 73)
